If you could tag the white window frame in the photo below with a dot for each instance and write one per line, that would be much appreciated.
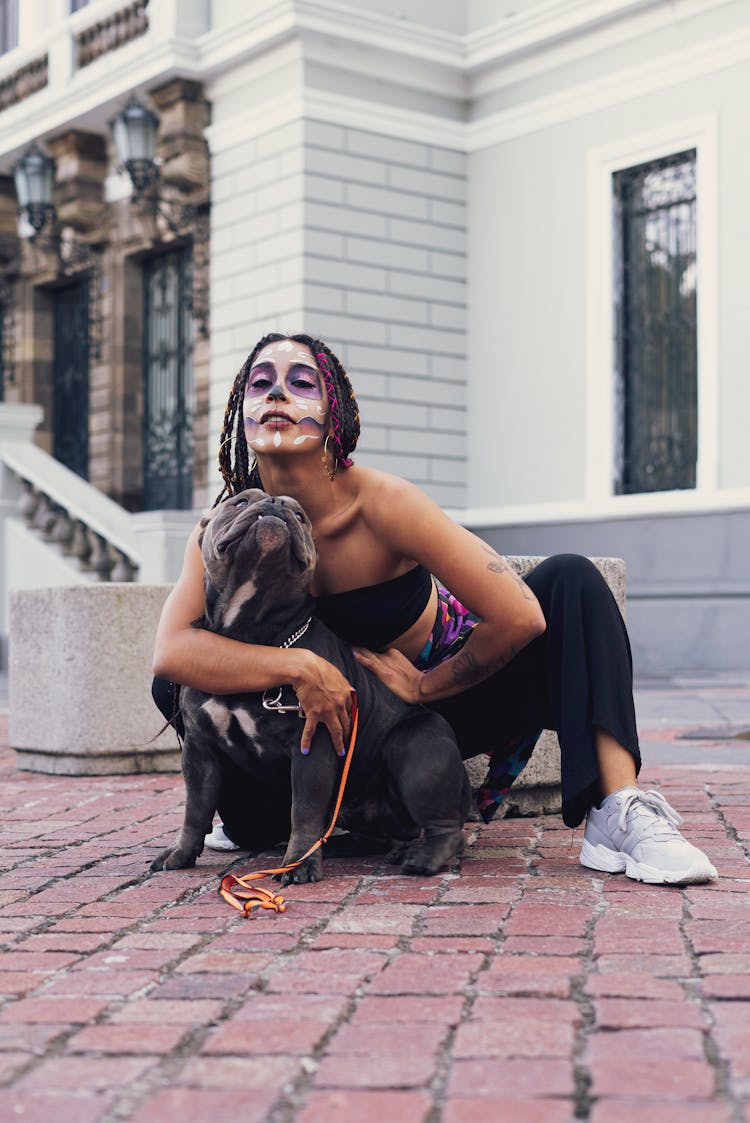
(698, 133)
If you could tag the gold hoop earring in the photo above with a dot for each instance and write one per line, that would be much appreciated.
(331, 473)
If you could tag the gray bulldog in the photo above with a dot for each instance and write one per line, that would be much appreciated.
(241, 754)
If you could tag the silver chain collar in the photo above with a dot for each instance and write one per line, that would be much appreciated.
(275, 704)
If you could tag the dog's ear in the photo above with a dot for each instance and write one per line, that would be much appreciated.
(203, 524)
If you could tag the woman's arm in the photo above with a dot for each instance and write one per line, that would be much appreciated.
(482, 580)
(218, 665)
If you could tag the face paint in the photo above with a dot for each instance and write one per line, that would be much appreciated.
(285, 402)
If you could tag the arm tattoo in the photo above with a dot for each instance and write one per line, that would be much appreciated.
(500, 565)
(467, 671)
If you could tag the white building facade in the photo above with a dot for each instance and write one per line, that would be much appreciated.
(438, 189)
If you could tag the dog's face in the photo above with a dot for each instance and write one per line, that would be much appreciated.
(256, 548)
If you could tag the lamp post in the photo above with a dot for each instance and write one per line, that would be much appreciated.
(134, 130)
(34, 176)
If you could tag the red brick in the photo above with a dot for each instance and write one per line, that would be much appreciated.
(353, 940)
(514, 1038)
(203, 986)
(457, 920)
(233, 962)
(277, 1035)
(533, 1078)
(726, 986)
(544, 945)
(13, 1063)
(40, 961)
(317, 1007)
(490, 1008)
(731, 1013)
(460, 1109)
(174, 942)
(659, 966)
(113, 984)
(721, 964)
(659, 1111)
(62, 1109)
(479, 890)
(386, 1070)
(631, 1013)
(633, 986)
(679, 1079)
(169, 1012)
(430, 944)
(124, 1039)
(58, 1010)
(17, 983)
(629, 1044)
(541, 920)
(729, 936)
(294, 981)
(258, 1071)
(63, 941)
(71, 1073)
(198, 1105)
(365, 1107)
(374, 1038)
(417, 974)
(445, 1010)
(398, 919)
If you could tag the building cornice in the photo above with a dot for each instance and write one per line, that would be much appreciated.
(333, 32)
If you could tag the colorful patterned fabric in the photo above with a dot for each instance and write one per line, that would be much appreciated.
(453, 626)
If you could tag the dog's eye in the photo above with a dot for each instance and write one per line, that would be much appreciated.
(300, 516)
(241, 503)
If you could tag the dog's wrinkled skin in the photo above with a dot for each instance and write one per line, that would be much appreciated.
(406, 782)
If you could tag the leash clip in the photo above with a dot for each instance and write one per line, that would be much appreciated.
(276, 706)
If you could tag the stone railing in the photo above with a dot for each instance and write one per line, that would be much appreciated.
(64, 510)
(24, 82)
(112, 32)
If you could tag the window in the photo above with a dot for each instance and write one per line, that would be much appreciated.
(8, 25)
(656, 443)
(168, 382)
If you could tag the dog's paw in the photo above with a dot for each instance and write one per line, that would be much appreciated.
(310, 870)
(173, 858)
(431, 855)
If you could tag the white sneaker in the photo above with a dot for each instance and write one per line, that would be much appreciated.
(218, 840)
(637, 832)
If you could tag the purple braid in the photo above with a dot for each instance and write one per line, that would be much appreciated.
(338, 450)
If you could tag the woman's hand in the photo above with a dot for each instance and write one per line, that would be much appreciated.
(326, 698)
(394, 669)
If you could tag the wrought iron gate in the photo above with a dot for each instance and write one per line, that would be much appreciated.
(70, 385)
(656, 325)
(168, 382)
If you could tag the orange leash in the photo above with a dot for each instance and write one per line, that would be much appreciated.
(241, 894)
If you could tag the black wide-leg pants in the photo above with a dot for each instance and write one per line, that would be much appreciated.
(575, 677)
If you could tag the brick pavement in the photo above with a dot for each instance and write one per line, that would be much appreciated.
(524, 989)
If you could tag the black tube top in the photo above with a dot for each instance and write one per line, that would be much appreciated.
(375, 615)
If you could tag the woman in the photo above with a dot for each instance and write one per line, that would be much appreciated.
(547, 652)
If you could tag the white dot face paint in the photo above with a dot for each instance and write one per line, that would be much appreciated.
(285, 399)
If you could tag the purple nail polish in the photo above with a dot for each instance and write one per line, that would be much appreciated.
(305, 750)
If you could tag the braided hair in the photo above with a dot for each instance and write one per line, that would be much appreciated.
(236, 470)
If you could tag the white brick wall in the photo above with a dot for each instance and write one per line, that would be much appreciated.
(360, 239)
(385, 285)
(256, 255)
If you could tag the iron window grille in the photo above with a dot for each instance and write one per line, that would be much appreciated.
(168, 444)
(656, 326)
